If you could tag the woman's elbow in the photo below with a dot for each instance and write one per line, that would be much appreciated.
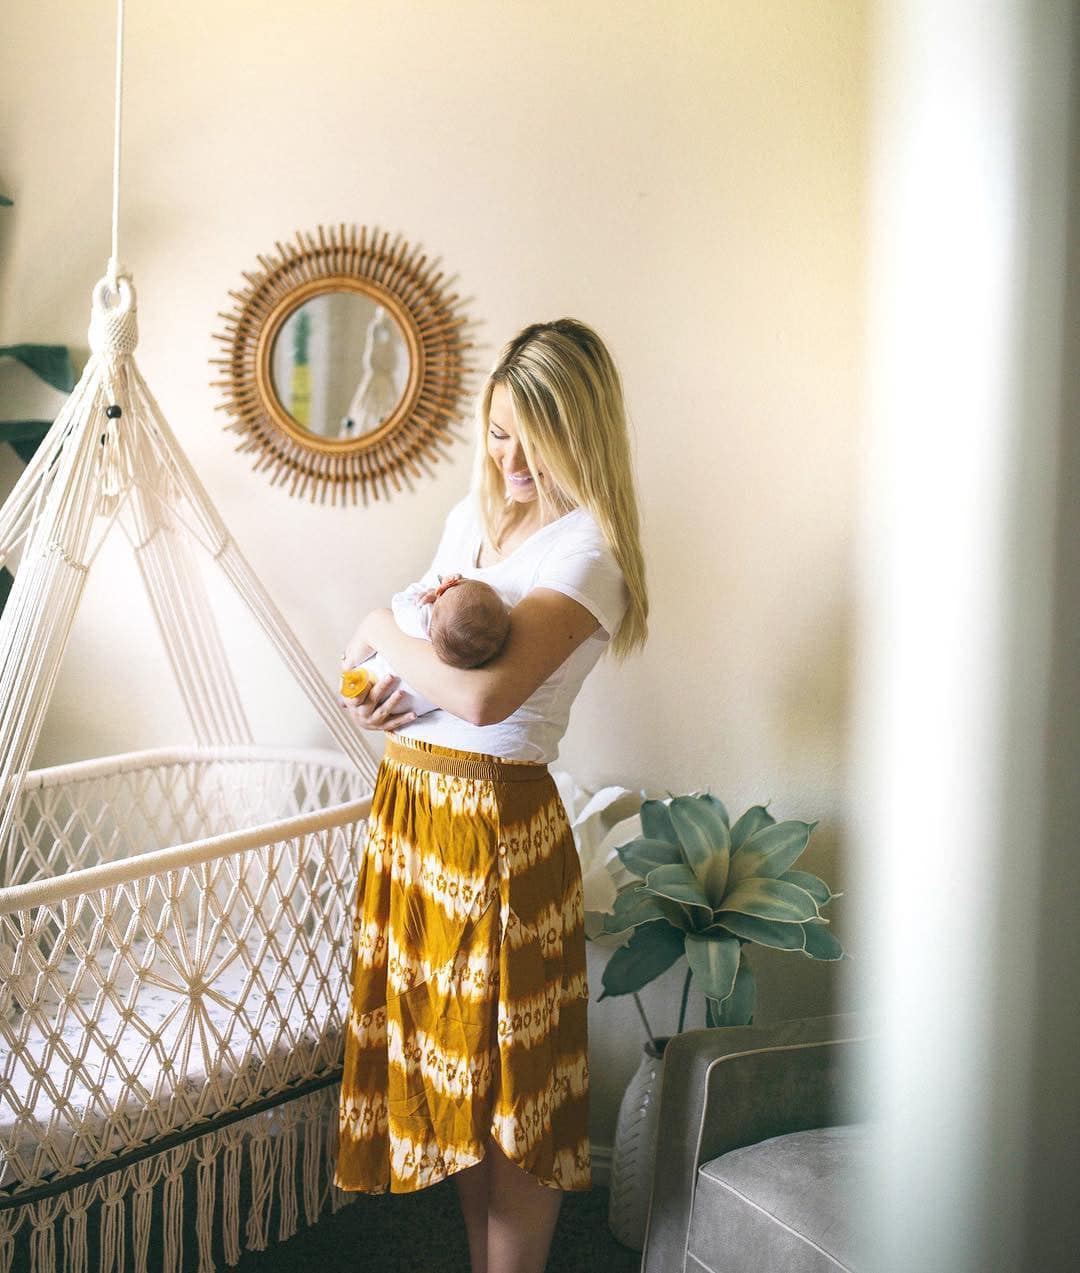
(489, 709)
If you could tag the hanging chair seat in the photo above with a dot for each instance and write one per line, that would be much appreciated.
(148, 990)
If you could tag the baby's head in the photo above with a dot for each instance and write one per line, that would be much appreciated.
(469, 623)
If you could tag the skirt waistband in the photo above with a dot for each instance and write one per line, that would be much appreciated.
(461, 764)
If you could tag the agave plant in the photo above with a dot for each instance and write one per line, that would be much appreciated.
(704, 889)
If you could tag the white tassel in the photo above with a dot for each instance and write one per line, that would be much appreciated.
(142, 1201)
(287, 1178)
(43, 1237)
(111, 1252)
(10, 1224)
(262, 1187)
(206, 1149)
(312, 1165)
(172, 1215)
(230, 1196)
(76, 1249)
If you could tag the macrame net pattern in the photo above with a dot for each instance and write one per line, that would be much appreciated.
(175, 926)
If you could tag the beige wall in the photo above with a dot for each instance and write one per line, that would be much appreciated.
(688, 177)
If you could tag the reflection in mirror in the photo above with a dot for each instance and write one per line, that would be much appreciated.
(340, 365)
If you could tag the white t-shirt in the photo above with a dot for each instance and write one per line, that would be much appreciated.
(570, 556)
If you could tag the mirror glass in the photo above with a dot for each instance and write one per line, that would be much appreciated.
(340, 365)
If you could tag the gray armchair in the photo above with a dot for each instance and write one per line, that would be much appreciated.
(762, 1151)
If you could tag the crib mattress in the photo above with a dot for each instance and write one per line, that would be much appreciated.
(108, 1068)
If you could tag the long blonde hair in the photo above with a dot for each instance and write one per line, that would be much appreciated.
(568, 408)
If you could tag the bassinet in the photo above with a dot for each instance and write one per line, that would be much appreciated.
(163, 1005)
(175, 926)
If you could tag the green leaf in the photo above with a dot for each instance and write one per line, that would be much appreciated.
(738, 1007)
(643, 855)
(656, 822)
(766, 932)
(51, 362)
(5, 202)
(752, 820)
(769, 899)
(770, 851)
(818, 889)
(705, 840)
(715, 803)
(820, 943)
(679, 884)
(684, 918)
(14, 431)
(714, 962)
(650, 951)
(633, 906)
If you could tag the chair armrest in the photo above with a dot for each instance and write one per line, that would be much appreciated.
(725, 1088)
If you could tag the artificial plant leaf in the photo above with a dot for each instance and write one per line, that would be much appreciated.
(656, 822)
(766, 932)
(771, 850)
(633, 906)
(651, 950)
(15, 431)
(643, 855)
(769, 899)
(738, 1007)
(820, 943)
(714, 802)
(679, 884)
(714, 962)
(752, 820)
(705, 840)
(52, 363)
(818, 889)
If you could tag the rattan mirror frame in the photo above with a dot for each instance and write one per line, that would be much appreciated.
(422, 426)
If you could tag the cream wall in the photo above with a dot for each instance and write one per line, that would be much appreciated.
(687, 177)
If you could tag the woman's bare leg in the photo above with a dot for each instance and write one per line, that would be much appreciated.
(472, 1186)
(521, 1217)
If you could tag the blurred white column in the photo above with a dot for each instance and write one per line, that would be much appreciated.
(957, 600)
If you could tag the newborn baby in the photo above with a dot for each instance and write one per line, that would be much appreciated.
(466, 621)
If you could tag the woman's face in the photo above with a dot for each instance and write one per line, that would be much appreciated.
(504, 447)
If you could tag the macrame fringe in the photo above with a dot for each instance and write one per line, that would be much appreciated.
(299, 1137)
(142, 1201)
(262, 1183)
(206, 1150)
(76, 1247)
(172, 1212)
(287, 1213)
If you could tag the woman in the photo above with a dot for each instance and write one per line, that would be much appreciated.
(466, 1048)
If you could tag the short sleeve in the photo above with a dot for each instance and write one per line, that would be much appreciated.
(411, 616)
(583, 567)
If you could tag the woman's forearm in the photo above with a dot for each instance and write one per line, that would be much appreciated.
(545, 629)
(463, 692)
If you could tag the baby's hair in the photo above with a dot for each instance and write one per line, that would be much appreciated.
(470, 625)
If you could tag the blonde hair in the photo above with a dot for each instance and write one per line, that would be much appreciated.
(568, 409)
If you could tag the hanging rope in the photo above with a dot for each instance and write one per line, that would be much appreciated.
(114, 258)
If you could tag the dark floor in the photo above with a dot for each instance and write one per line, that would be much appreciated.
(424, 1233)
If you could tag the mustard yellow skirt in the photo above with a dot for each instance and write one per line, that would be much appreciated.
(467, 1020)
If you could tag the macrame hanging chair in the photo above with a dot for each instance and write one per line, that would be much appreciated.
(175, 925)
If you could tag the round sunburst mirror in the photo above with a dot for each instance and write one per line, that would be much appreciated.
(345, 364)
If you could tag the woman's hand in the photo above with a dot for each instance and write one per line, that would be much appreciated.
(378, 706)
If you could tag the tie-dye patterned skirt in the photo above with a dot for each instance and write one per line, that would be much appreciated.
(468, 1014)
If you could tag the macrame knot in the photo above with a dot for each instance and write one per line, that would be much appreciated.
(114, 324)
